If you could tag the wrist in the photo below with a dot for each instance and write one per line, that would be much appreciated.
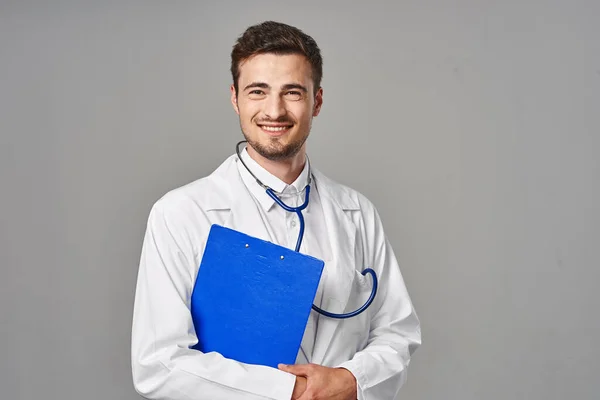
(350, 380)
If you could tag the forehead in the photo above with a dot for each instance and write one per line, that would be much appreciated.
(276, 69)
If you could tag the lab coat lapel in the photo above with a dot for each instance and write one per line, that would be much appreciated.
(244, 215)
(339, 273)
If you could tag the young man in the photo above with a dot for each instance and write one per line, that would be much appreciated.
(276, 92)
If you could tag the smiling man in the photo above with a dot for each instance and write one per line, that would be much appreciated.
(276, 92)
(277, 101)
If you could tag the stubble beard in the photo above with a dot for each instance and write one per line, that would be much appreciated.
(275, 151)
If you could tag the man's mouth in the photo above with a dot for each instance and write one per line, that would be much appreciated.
(275, 128)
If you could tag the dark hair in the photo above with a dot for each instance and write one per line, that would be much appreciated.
(278, 38)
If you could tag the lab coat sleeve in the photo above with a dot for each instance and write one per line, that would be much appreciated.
(380, 368)
(163, 365)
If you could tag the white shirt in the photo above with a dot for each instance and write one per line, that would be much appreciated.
(283, 227)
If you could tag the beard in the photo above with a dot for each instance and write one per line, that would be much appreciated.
(274, 150)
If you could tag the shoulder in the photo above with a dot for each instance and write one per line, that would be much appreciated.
(209, 192)
(356, 205)
(346, 197)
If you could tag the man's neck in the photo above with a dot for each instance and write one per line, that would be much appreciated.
(287, 170)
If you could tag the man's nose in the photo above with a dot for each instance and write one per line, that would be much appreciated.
(275, 107)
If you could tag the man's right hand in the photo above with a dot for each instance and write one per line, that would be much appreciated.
(299, 387)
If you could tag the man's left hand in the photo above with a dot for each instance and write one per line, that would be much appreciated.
(324, 383)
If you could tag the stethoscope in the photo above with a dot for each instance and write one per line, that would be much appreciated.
(298, 211)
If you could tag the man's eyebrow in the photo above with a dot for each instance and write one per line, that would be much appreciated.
(261, 85)
(294, 86)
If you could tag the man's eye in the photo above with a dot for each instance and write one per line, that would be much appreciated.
(294, 94)
(259, 92)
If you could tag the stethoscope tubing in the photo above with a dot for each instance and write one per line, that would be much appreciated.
(298, 211)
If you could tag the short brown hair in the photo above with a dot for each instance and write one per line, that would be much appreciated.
(278, 38)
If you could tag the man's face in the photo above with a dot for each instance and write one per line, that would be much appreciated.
(276, 103)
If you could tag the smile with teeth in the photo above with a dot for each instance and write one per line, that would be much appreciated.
(274, 128)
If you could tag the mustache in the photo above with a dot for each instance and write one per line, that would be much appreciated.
(274, 121)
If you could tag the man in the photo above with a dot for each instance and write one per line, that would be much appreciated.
(276, 92)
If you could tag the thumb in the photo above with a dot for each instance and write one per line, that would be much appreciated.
(298, 370)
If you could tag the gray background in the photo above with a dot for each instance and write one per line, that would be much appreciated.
(472, 125)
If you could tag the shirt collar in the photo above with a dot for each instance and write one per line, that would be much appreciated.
(268, 179)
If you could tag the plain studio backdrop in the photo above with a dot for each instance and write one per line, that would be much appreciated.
(472, 125)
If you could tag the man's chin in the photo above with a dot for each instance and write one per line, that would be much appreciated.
(275, 155)
(275, 151)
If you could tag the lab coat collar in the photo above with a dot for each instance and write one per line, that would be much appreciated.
(229, 170)
(268, 179)
(339, 194)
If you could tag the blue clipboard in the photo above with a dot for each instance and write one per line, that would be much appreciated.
(252, 298)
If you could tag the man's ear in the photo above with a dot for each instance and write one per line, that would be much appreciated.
(318, 102)
(234, 99)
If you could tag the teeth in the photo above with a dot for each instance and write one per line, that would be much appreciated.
(274, 128)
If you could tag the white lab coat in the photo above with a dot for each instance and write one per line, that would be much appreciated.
(375, 346)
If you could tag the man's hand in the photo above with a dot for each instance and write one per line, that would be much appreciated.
(299, 387)
(322, 383)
